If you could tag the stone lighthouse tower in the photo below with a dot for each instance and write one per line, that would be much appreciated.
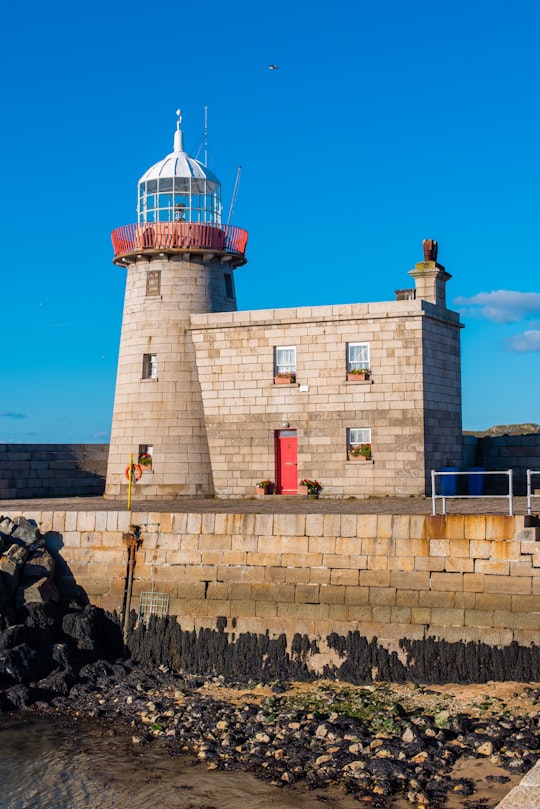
(179, 259)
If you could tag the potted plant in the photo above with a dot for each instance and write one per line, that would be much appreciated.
(360, 452)
(285, 378)
(264, 487)
(309, 488)
(358, 374)
(145, 460)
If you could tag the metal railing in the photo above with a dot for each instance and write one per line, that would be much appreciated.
(455, 496)
(530, 493)
(179, 236)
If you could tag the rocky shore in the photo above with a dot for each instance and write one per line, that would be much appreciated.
(251, 703)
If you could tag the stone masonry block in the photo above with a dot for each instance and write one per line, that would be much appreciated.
(319, 575)
(297, 575)
(441, 599)
(475, 526)
(410, 580)
(499, 527)
(85, 520)
(348, 545)
(315, 525)
(290, 525)
(412, 547)
(447, 581)
(407, 598)
(281, 593)
(459, 565)
(275, 574)
(357, 595)
(401, 563)
(375, 546)
(344, 577)
(318, 544)
(266, 609)
(401, 527)
(439, 547)
(214, 542)
(348, 525)
(283, 544)
(307, 593)
(448, 617)
(332, 594)
(492, 567)
(517, 620)
(382, 596)
(366, 525)
(304, 560)
(505, 584)
(526, 604)
(375, 578)
(430, 563)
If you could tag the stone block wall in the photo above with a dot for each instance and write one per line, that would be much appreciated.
(52, 470)
(411, 404)
(516, 452)
(457, 578)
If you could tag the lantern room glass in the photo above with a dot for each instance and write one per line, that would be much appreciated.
(180, 199)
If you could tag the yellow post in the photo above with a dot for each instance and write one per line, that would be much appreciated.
(130, 478)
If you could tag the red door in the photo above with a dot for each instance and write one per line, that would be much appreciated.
(286, 462)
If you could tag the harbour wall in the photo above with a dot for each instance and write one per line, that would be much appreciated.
(454, 577)
(52, 470)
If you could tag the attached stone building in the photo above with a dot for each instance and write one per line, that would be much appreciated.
(365, 398)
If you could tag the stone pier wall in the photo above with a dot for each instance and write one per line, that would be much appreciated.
(52, 470)
(457, 578)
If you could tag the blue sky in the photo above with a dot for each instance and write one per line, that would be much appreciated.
(387, 123)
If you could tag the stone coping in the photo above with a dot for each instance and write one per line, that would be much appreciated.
(272, 505)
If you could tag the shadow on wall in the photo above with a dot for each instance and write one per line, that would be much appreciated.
(52, 470)
(502, 452)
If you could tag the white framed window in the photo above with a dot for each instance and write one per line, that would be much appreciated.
(149, 369)
(359, 442)
(285, 360)
(357, 357)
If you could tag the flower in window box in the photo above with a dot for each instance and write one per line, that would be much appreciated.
(145, 459)
(285, 378)
(358, 374)
(360, 451)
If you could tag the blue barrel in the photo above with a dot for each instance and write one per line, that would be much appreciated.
(448, 482)
(475, 483)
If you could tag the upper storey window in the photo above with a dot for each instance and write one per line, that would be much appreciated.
(357, 357)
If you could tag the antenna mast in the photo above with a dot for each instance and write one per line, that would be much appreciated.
(206, 136)
(235, 192)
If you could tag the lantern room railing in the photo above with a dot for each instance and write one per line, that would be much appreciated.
(179, 236)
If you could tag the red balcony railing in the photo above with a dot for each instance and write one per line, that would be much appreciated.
(180, 236)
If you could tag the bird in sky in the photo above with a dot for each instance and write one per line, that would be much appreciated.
(273, 67)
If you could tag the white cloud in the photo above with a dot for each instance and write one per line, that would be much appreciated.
(501, 306)
(527, 341)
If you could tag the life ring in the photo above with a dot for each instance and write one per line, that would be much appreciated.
(136, 471)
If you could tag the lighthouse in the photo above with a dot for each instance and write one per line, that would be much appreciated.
(179, 259)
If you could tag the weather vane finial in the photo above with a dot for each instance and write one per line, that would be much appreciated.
(179, 113)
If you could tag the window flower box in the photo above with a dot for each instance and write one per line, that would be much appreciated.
(285, 378)
(358, 375)
(360, 452)
(264, 487)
